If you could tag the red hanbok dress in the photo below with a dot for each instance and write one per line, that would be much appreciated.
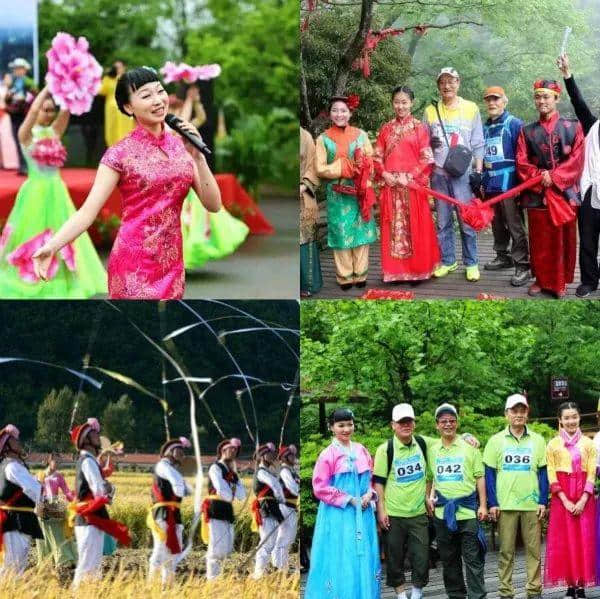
(571, 540)
(553, 249)
(409, 244)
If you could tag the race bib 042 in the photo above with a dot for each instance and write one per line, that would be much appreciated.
(449, 469)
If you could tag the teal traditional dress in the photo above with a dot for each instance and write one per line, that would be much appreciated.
(346, 229)
(208, 235)
(41, 207)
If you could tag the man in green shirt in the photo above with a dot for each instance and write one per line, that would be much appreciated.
(401, 509)
(457, 470)
(517, 491)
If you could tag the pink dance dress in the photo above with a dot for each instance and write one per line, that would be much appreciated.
(156, 173)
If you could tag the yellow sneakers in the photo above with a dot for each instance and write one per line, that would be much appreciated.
(443, 270)
(472, 273)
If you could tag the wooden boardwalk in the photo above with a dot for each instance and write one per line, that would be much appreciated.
(435, 588)
(452, 286)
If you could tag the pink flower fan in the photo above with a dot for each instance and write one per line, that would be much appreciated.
(73, 73)
(21, 258)
(184, 72)
(49, 152)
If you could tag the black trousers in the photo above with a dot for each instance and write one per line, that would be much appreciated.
(589, 231)
(16, 120)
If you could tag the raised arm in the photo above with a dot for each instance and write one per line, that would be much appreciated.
(24, 133)
(61, 123)
(582, 111)
(80, 221)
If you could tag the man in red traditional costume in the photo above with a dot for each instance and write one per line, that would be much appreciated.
(89, 509)
(224, 485)
(168, 489)
(552, 147)
(20, 496)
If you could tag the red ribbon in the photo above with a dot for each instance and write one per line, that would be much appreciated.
(4, 515)
(115, 529)
(172, 540)
(479, 215)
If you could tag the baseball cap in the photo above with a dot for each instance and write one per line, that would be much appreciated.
(401, 411)
(448, 71)
(515, 400)
(494, 90)
(445, 408)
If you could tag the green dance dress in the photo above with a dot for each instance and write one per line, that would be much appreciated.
(42, 206)
(208, 235)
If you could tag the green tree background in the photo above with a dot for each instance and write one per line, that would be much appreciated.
(39, 400)
(490, 42)
(373, 355)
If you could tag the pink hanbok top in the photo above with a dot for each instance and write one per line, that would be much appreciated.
(55, 482)
(146, 261)
(331, 461)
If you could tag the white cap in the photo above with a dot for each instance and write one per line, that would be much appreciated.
(19, 62)
(445, 407)
(401, 411)
(515, 400)
(448, 71)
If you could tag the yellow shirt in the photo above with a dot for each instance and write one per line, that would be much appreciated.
(116, 124)
(559, 459)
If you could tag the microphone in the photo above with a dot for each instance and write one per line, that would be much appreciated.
(174, 122)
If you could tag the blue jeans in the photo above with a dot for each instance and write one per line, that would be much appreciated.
(457, 188)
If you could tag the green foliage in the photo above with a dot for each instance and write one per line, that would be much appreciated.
(118, 421)
(54, 418)
(262, 149)
(372, 355)
(323, 44)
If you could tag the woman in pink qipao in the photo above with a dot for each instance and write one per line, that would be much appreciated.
(154, 171)
(345, 555)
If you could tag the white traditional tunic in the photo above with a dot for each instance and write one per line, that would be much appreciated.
(287, 529)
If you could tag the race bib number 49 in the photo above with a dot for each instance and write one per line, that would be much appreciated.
(409, 469)
(517, 459)
(450, 469)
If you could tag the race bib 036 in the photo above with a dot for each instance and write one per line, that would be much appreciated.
(517, 459)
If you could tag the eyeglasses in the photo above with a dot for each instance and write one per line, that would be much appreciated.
(446, 422)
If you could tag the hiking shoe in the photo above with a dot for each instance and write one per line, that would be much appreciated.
(534, 290)
(570, 592)
(584, 290)
(472, 273)
(521, 276)
(499, 263)
(580, 593)
(443, 270)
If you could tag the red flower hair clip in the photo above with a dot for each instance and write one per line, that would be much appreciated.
(353, 101)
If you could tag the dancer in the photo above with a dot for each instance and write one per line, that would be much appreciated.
(342, 483)
(206, 235)
(41, 206)
(347, 233)
(154, 173)
(311, 279)
(116, 124)
(89, 513)
(290, 483)
(409, 245)
(571, 540)
(164, 517)
(455, 123)
(20, 499)
(9, 158)
(553, 146)
(517, 490)
(217, 509)
(54, 543)
(266, 508)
